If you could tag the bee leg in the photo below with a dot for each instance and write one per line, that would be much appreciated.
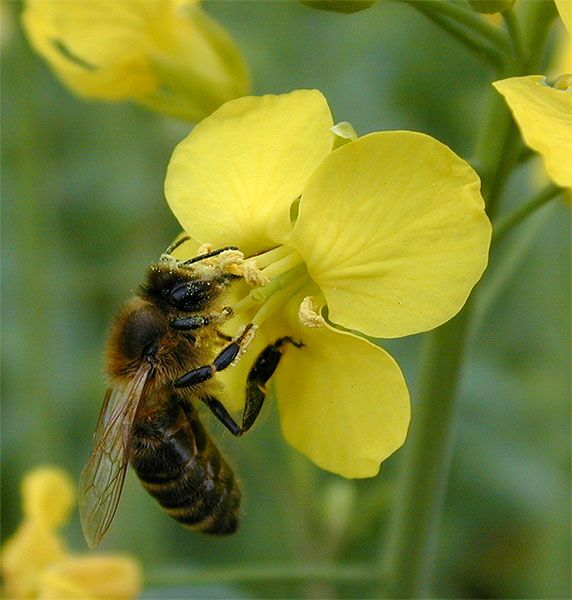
(222, 361)
(198, 321)
(220, 412)
(262, 370)
(258, 376)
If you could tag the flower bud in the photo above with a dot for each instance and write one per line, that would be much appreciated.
(169, 56)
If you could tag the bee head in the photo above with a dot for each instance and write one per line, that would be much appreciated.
(183, 288)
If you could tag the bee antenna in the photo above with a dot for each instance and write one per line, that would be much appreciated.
(176, 244)
(207, 255)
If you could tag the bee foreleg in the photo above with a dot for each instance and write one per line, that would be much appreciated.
(222, 361)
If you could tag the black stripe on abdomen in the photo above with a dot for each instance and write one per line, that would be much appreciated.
(192, 482)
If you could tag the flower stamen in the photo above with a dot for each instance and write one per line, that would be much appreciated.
(308, 315)
(276, 276)
(282, 265)
(253, 275)
(265, 259)
(278, 299)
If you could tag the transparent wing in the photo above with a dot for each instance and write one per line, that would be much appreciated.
(101, 480)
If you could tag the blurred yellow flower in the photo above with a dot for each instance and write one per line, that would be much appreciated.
(385, 235)
(168, 55)
(544, 116)
(35, 562)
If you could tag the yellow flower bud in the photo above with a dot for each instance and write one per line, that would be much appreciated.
(36, 562)
(169, 56)
(48, 495)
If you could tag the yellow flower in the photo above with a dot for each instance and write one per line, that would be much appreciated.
(35, 561)
(385, 235)
(544, 116)
(543, 112)
(165, 54)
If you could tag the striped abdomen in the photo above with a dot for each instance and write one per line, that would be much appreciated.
(179, 465)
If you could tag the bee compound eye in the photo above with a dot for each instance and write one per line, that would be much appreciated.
(150, 349)
(142, 331)
(191, 295)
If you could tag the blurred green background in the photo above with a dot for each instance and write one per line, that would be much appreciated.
(83, 214)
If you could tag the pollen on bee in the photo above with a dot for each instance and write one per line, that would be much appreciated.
(246, 339)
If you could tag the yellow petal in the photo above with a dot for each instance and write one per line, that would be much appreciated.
(169, 55)
(48, 496)
(544, 116)
(91, 576)
(392, 228)
(233, 179)
(343, 401)
(26, 555)
(95, 46)
(565, 10)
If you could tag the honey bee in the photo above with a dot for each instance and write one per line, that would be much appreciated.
(163, 350)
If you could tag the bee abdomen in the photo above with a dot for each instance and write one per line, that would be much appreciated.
(190, 480)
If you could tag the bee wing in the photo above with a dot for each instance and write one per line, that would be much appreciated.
(101, 480)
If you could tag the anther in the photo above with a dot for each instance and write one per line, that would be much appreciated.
(308, 315)
(205, 248)
(253, 276)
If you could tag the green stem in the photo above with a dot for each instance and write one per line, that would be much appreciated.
(480, 47)
(514, 29)
(538, 15)
(514, 218)
(475, 23)
(497, 151)
(412, 537)
(413, 529)
(244, 573)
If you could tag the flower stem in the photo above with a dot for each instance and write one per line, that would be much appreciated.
(184, 576)
(476, 22)
(412, 538)
(468, 28)
(497, 150)
(514, 29)
(516, 217)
